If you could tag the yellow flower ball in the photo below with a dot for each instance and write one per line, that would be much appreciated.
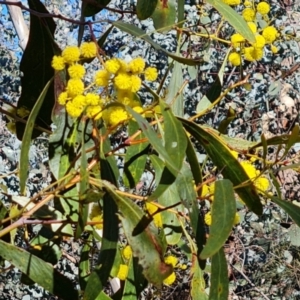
(236, 40)
(112, 65)
(102, 78)
(123, 272)
(207, 218)
(75, 87)
(58, 63)
(170, 279)
(151, 208)
(124, 67)
(76, 71)
(252, 53)
(232, 2)
(71, 54)
(136, 83)
(248, 14)
(123, 81)
(127, 252)
(88, 49)
(235, 58)
(137, 65)
(98, 219)
(95, 211)
(73, 109)
(116, 115)
(94, 112)
(151, 74)
(252, 27)
(270, 34)
(259, 41)
(274, 49)
(92, 99)
(62, 98)
(263, 8)
(171, 260)
(248, 3)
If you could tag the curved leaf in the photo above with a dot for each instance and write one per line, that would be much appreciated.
(137, 32)
(39, 271)
(226, 163)
(223, 212)
(145, 8)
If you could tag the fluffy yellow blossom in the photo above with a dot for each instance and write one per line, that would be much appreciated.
(88, 49)
(58, 63)
(138, 109)
(123, 272)
(171, 260)
(62, 98)
(137, 65)
(73, 109)
(252, 27)
(125, 97)
(248, 14)
(92, 99)
(75, 87)
(102, 78)
(235, 58)
(207, 218)
(274, 49)
(205, 190)
(270, 34)
(151, 208)
(236, 40)
(23, 112)
(232, 2)
(123, 81)
(79, 101)
(71, 54)
(95, 211)
(252, 53)
(94, 112)
(124, 67)
(136, 83)
(76, 71)
(151, 74)
(98, 219)
(114, 115)
(248, 3)
(112, 65)
(263, 8)
(170, 279)
(259, 41)
(127, 252)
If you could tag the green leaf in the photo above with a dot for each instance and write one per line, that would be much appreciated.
(84, 263)
(145, 8)
(36, 68)
(294, 137)
(223, 213)
(39, 271)
(226, 163)
(234, 19)
(146, 245)
(135, 158)
(290, 208)
(92, 9)
(219, 288)
(164, 15)
(137, 32)
(198, 283)
(225, 123)
(24, 156)
(180, 13)
(173, 99)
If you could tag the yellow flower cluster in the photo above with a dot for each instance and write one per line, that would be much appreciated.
(123, 272)
(96, 215)
(124, 77)
(208, 219)
(151, 208)
(172, 260)
(266, 36)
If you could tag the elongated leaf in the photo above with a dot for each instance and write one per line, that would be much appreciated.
(294, 136)
(145, 8)
(198, 283)
(176, 82)
(135, 159)
(180, 13)
(100, 275)
(137, 32)
(290, 208)
(39, 271)
(164, 15)
(219, 288)
(225, 123)
(155, 141)
(226, 163)
(36, 68)
(234, 19)
(146, 245)
(90, 9)
(24, 156)
(223, 212)
(84, 263)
